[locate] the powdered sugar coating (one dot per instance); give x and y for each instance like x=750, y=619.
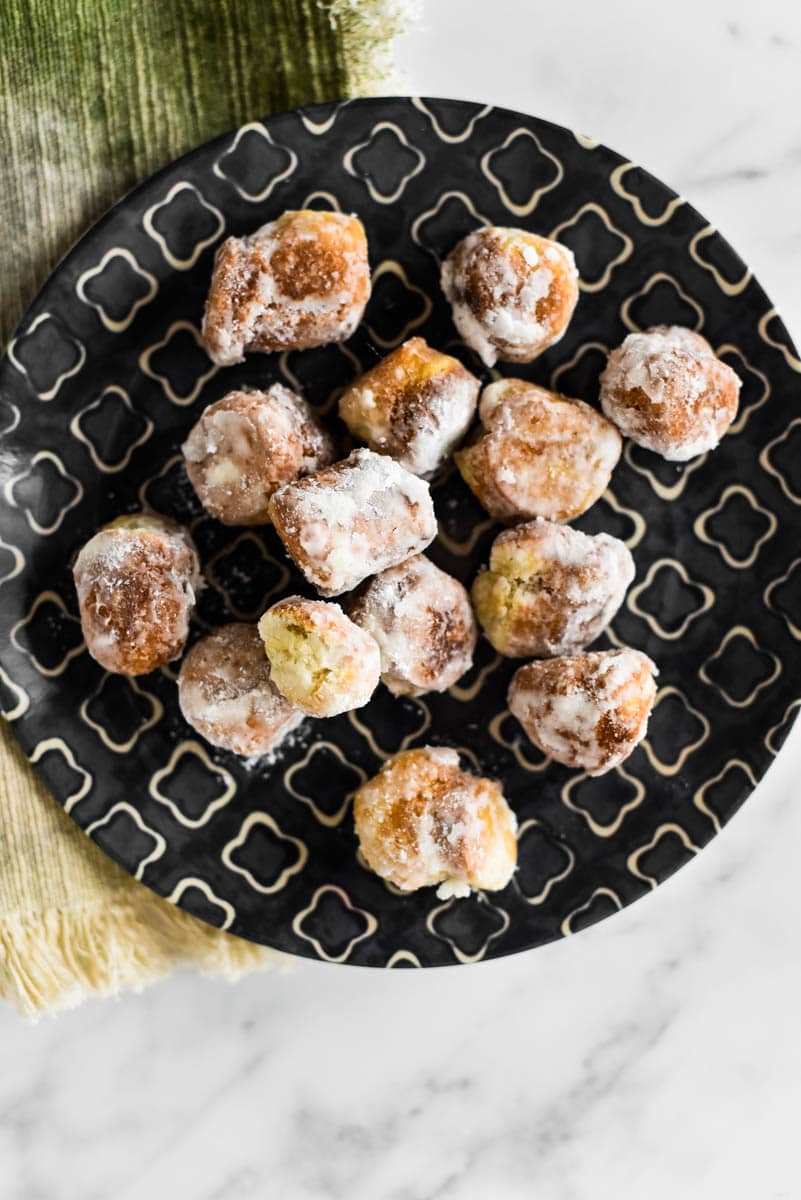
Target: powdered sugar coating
x=666, y=390
x=550, y=589
x=512, y=293
x=136, y=581
x=352, y=520
x=586, y=710
x=302, y=280
x=226, y=694
x=423, y=623
x=423, y=821
x=319, y=659
x=539, y=453
x=415, y=405
x=247, y=444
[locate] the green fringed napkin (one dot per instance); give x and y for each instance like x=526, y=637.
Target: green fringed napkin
x=94, y=96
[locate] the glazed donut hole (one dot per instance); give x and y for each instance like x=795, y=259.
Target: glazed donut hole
x=586, y=710
x=512, y=293
x=353, y=520
x=550, y=589
x=415, y=405
x=136, y=581
x=423, y=623
x=667, y=390
x=538, y=454
x=302, y=280
x=249, y=443
x=226, y=694
x=319, y=659
x=422, y=821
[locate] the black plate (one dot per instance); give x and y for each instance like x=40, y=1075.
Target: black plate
x=103, y=380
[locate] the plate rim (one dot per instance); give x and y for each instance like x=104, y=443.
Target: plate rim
x=331, y=107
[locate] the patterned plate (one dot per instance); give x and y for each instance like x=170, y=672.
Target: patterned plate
x=105, y=377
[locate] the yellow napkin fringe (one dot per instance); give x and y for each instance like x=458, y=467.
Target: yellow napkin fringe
x=52, y=960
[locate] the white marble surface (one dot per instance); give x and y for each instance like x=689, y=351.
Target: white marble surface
x=656, y=1055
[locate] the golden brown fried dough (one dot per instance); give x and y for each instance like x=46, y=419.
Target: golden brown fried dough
x=422, y=821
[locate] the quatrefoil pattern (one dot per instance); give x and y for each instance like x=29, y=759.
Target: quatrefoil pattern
x=46, y=354
x=116, y=289
x=111, y=429
x=107, y=374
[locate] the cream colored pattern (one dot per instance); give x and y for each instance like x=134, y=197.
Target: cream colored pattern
x=597, y=285
x=428, y=213
x=469, y=692
x=469, y=544
x=670, y=769
x=113, y=325
x=527, y=207
x=15, y=419
x=256, y=197
x=408, y=740
x=159, y=844
x=791, y=625
x=728, y=287
x=699, y=527
x=518, y=744
x=331, y=820
x=570, y=363
x=464, y=956
x=328, y=197
x=18, y=564
x=403, y=956
x=201, y=754
x=376, y=195
x=57, y=745
x=743, y=632
x=650, y=283
x=390, y=267
x=44, y=456
x=791, y=360
x=121, y=463
x=633, y=861
x=616, y=182
x=769, y=740
x=183, y=264
x=767, y=465
x=192, y=881
x=260, y=818
x=23, y=700
x=52, y=391
x=632, y=514
x=156, y=713
x=258, y=550
x=567, y=923
x=699, y=797
x=370, y=924
x=542, y=895
x=295, y=383
x=201, y=380
x=665, y=491
x=632, y=600
x=745, y=365
x=451, y=138
x=168, y=466
x=611, y=828
x=46, y=597
x=318, y=128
